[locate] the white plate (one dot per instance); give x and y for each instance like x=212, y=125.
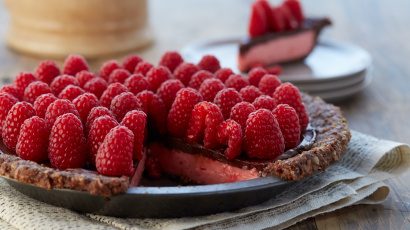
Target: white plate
x=333, y=85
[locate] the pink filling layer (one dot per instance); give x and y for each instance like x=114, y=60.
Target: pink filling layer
x=284, y=49
x=198, y=168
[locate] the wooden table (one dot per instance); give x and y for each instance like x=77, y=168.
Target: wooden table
x=380, y=26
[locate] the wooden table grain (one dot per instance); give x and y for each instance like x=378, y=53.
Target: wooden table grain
x=382, y=109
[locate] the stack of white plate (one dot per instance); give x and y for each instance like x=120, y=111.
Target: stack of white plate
x=333, y=71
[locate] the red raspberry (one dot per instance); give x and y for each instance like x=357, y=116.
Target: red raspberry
x=46, y=71
x=264, y=102
x=171, y=60
x=136, y=121
x=199, y=77
x=67, y=146
x=185, y=71
x=112, y=91
x=223, y=74
x=84, y=103
x=98, y=130
x=22, y=80
x=58, y=108
x=209, y=88
x=290, y=94
x=156, y=76
x=74, y=64
x=289, y=124
x=32, y=142
x=250, y=93
x=154, y=107
x=62, y=81
x=118, y=75
x=14, y=119
x=42, y=102
x=143, y=67
x=240, y=113
x=12, y=90
x=230, y=134
x=34, y=90
x=107, y=68
x=96, y=86
x=83, y=77
x=180, y=112
x=296, y=10
x=71, y=92
x=205, y=120
x=130, y=62
x=226, y=99
x=258, y=23
x=168, y=90
x=268, y=84
x=255, y=75
x=114, y=157
x=136, y=83
x=236, y=81
x=263, y=138
x=123, y=103
x=209, y=63
x=95, y=113
x=6, y=102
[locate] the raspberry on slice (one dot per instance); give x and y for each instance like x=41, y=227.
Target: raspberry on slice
x=240, y=113
x=114, y=157
x=74, y=64
x=67, y=145
x=223, y=74
x=199, y=77
x=71, y=92
x=136, y=83
x=6, y=102
x=96, y=86
x=209, y=88
x=180, y=113
x=84, y=103
x=250, y=93
x=62, y=81
x=230, y=135
x=289, y=124
x=263, y=138
x=255, y=75
x=83, y=77
x=136, y=121
x=258, y=23
x=264, y=102
x=22, y=80
x=277, y=20
x=154, y=107
x=58, y=108
x=185, y=71
x=95, y=113
x=289, y=94
x=107, y=68
x=118, y=75
x=46, y=71
x=112, y=91
x=268, y=84
x=32, y=142
x=98, y=130
x=168, y=90
x=204, y=123
x=42, y=102
x=290, y=21
x=142, y=68
x=156, y=76
x=123, y=103
x=209, y=63
x=12, y=90
x=34, y=90
x=226, y=99
x=296, y=10
x=130, y=62
x=14, y=119
x=171, y=60
x=236, y=81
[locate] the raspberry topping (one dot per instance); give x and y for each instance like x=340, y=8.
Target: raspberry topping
x=268, y=84
x=95, y=113
x=264, y=102
x=168, y=90
x=62, y=81
x=136, y=121
x=143, y=67
x=236, y=81
x=136, y=83
x=98, y=130
x=12, y=90
x=209, y=63
x=123, y=103
x=250, y=93
x=289, y=124
x=96, y=86
x=6, y=102
x=112, y=91
x=154, y=107
x=171, y=60
x=34, y=90
x=223, y=74
x=226, y=99
x=22, y=80
x=156, y=76
x=230, y=135
x=58, y=108
x=74, y=64
x=185, y=71
x=83, y=77
x=296, y=10
x=240, y=113
x=258, y=24
x=84, y=103
x=209, y=88
x=118, y=75
x=42, y=102
x=130, y=62
x=46, y=71
x=71, y=92
x=255, y=75
x=198, y=78
x=107, y=68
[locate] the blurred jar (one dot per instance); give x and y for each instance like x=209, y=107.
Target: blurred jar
x=93, y=28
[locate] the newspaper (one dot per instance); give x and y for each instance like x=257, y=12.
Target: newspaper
x=357, y=178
